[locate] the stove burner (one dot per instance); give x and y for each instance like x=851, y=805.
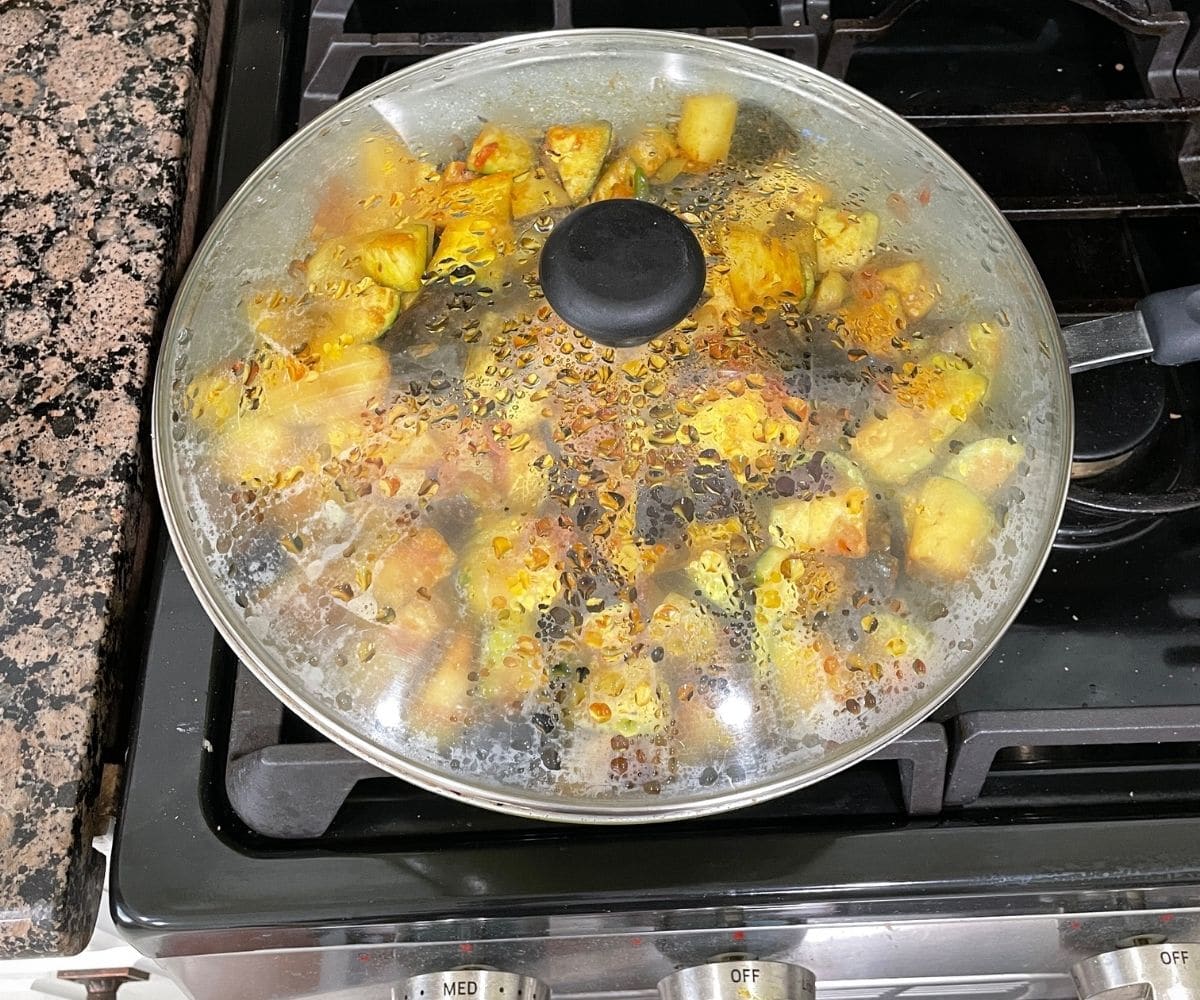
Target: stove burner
x=1118, y=410
x=1135, y=457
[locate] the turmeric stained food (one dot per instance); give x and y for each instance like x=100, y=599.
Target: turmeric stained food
x=645, y=554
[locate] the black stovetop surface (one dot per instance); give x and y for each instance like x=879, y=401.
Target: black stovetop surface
x=1092, y=698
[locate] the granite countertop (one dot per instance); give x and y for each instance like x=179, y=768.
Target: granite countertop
x=100, y=104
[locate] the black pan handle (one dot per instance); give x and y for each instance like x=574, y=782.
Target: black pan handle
x=1164, y=327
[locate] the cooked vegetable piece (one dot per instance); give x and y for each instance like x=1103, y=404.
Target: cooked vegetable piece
x=775, y=590
x=800, y=666
x=579, y=152
x=497, y=150
x=469, y=247
x=845, y=240
x=725, y=534
x=830, y=293
x=714, y=579
x=683, y=628
x=941, y=383
x=781, y=193
x=985, y=466
x=444, y=704
x=747, y=425
x=876, y=323
x=706, y=127
x=414, y=564
x=354, y=309
x=947, y=527
x=256, y=450
x=533, y=193
x=628, y=699
x=617, y=181
x=504, y=568
x=985, y=346
x=653, y=147
x=482, y=198
x=397, y=257
x=891, y=638
x=916, y=286
x=896, y=446
x=765, y=270
x=342, y=385
x=835, y=524
x=510, y=662
x=215, y=397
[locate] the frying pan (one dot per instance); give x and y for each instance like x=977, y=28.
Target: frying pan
x=640, y=726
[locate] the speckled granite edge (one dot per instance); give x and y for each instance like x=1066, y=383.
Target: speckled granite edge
x=99, y=103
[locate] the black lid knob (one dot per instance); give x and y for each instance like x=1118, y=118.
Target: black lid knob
x=622, y=271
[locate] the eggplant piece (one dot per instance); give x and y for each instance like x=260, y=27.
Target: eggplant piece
x=761, y=136
x=684, y=629
x=578, y=151
x=533, y=193
x=396, y=258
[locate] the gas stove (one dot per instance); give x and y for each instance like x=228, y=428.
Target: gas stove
x=1048, y=814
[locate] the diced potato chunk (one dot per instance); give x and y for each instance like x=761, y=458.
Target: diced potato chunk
x=835, y=524
x=706, y=127
x=534, y=193
x=683, y=628
x=714, y=578
x=898, y=445
x=845, y=240
x=831, y=292
x=986, y=346
x=608, y=632
x=915, y=285
x=764, y=270
x=985, y=466
x=397, y=257
x=724, y=534
x=416, y=562
x=947, y=527
x=775, y=590
x=579, y=152
x=780, y=194
x=800, y=666
x=497, y=149
x=653, y=147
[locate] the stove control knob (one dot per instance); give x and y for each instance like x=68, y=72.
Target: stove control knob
x=1147, y=972
x=739, y=979
x=475, y=982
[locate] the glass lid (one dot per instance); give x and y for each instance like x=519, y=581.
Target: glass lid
x=614, y=424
